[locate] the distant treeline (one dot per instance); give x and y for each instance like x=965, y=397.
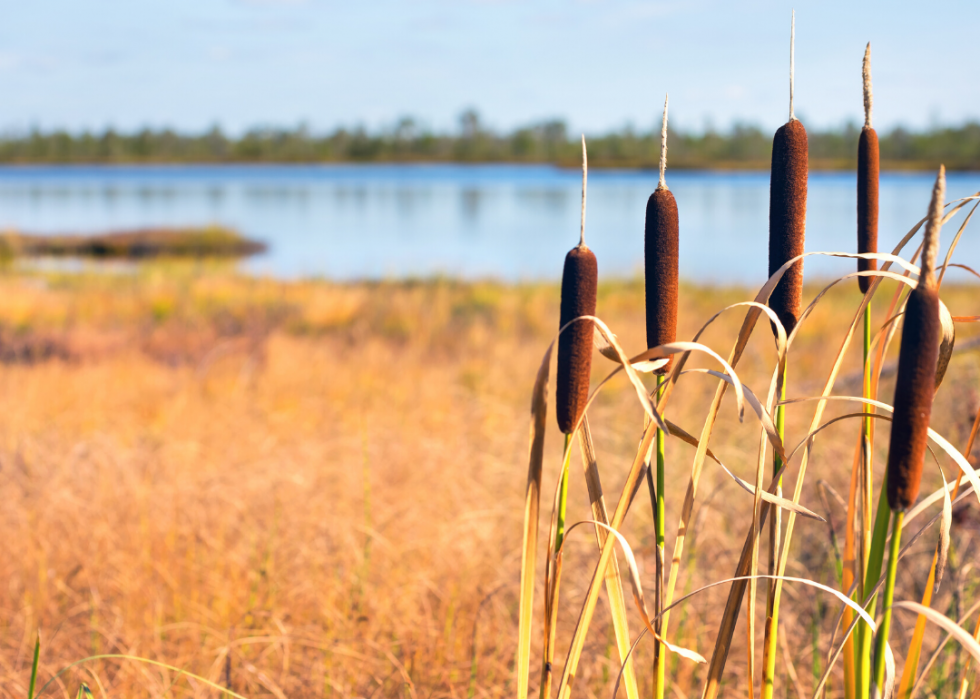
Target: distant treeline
x=741, y=146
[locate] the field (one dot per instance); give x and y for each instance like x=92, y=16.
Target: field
x=309, y=489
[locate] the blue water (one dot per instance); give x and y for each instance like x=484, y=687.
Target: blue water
x=500, y=221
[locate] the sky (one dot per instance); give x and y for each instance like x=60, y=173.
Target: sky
x=599, y=65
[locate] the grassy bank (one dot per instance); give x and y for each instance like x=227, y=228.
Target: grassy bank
x=313, y=489
x=209, y=241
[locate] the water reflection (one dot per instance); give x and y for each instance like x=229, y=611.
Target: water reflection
x=508, y=222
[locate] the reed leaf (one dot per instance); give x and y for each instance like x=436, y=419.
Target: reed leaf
x=965, y=638
x=936, y=653
x=145, y=661
x=614, y=583
x=532, y=500
x=945, y=525
x=938, y=439
x=684, y=436
x=638, y=588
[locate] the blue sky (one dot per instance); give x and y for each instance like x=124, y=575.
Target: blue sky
x=598, y=64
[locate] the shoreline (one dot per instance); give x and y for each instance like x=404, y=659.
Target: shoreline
x=816, y=165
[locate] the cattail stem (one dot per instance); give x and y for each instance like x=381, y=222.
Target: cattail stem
x=867, y=462
x=775, y=528
x=882, y=636
x=859, y=649
x=563, y=495
x=876, y=559
x=660, y=657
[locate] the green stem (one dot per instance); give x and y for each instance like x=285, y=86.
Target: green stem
x=882, y=636
x=876, y=558
x=772, y=622
x=862, y=634
x=37, y=657
x=563, y=495
x=661, y=656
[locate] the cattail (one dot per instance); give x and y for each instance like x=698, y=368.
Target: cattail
x=916, y=381
x=578, y=295
x=660, y=247
x=867, y=203
x=787, y=213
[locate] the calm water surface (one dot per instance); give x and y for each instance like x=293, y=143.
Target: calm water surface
x=507, y=222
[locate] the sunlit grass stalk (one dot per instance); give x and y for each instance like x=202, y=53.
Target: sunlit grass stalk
x=772, y=605
x=660, y=660
x=563, y=495
x=34, y=664
x=551, y=628
x=876, y=559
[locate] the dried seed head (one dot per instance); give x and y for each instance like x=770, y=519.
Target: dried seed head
x=916, y=380
x=663, y=148
x=867, y=202
x=787, y=219
x=866, y=76
x=933, y=225
x=660, y=247
x=578, y=297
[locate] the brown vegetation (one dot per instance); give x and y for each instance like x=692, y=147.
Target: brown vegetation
x=315, y=490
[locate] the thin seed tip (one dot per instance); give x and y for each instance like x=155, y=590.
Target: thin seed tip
x=585, y=181
x=663, y=148
x=866, y=77
x=933, y=226
x=792, y=53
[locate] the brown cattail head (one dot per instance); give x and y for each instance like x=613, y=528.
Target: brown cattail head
x=660, y=251
x=867, y=202
x=867, y=180
x=578, y=297
x=916, y=380
x=660, y=256
x=787, y=219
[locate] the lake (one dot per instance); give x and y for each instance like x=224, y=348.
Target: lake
x=507, y=222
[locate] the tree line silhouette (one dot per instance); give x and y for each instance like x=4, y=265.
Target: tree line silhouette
x=740, y=147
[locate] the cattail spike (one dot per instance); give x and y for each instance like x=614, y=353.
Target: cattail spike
x=933, y=225
x=866, y=74
x=792, y=62
x=787, y=219
x=585, y=179
x=663, y=148
x=578, y=298
x=918, y=357
x=867, y=203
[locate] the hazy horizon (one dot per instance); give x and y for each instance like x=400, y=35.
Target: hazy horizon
x=597, y=65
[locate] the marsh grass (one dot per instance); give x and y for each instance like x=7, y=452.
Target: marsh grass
x=242, y=487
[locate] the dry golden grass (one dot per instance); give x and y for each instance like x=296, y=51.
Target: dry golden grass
x=310, y=489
